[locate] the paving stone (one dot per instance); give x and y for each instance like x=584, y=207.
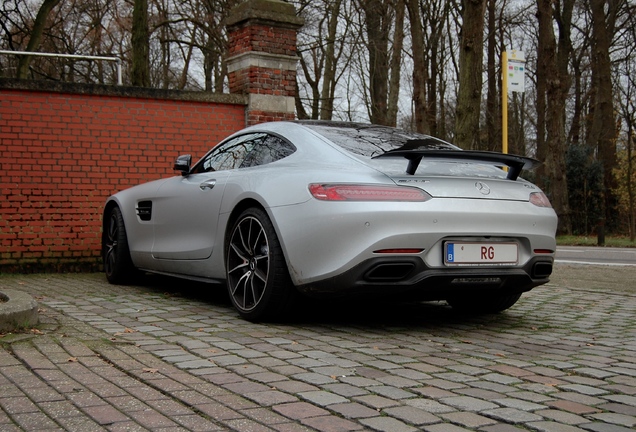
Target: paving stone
x=614, y=418
x=546, y=426
x=331, y=424
x=518, y=404
x=412, y=415
x=428, y=405
x=468, y=419
x=323, y=398
x=511, y=415
x=604, y=427
x=467, y=403
x=354, y=410
x=387, y=424
x=444, y=427
x=299, y=410
x=563, y=417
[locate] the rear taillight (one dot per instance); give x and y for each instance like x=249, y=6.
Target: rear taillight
x=540, y=199
x=357, y=192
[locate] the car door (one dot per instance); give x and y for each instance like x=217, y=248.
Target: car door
x=186, y=209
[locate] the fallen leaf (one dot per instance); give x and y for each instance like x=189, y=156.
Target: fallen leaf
x=72, y=359
x=150, y=370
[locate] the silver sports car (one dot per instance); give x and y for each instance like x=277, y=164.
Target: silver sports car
x=284, y=209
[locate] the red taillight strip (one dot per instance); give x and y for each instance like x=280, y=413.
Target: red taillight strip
x=358, y=192
x=543, y=251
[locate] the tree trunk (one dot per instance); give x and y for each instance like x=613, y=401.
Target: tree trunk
x=552, y=68
x=140, y=71
x=492, y=98
x=329, y=78
x=420, y=70
x=377, y=27
x=36, y=37
x=470, y=70
x=603, y=129
x=396, y=63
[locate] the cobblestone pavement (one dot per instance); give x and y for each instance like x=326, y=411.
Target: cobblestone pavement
x=169, y=355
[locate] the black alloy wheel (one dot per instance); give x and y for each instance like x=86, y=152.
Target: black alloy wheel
x=118, y=265
x=257, y=276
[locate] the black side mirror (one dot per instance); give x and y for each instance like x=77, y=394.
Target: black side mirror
x=183, y=164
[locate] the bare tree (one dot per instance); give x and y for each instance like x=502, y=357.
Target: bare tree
x=324, y=54
x=603, y=132
x=552, y=73
x=379, y=20
x=36, y=36
x=470, y=74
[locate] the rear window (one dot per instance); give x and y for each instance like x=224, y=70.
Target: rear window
x=372, y=140
x=367, y=141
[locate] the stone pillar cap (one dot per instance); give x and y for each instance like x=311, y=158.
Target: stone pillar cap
x=274, y=11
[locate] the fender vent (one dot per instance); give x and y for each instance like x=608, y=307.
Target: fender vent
x=144, y=210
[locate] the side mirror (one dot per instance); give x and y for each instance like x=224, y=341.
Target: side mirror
x=183, y=164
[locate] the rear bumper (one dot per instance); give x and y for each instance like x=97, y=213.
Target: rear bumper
x=411, y=276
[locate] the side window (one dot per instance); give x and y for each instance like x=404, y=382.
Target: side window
x=268, y=149
x=228, y=155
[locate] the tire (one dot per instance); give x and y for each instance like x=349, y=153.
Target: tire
x=483, y=305
x=258, y=280
x=118, y=265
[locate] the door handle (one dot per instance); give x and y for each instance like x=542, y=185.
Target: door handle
x=208, y=184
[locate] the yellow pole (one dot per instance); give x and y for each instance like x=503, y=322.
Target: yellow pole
x=504, y=102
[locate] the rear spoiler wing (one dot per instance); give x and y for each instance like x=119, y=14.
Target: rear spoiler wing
x=513, y=162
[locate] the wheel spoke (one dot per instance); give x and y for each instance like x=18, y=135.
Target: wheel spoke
x=261, y=275
x=242, y=255
x=248, y=263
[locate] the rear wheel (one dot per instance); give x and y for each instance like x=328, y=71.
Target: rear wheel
x=118, y=265
x=257, y=277
x=484, y=304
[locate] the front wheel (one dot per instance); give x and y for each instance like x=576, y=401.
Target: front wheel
x=483, y=305
x=118, y=265
x=257, y=277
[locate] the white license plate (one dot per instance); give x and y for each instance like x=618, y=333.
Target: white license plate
x=469, y=253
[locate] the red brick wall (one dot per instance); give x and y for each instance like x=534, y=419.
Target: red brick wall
x=63, y=154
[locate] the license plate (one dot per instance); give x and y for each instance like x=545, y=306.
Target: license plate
x=468, y=253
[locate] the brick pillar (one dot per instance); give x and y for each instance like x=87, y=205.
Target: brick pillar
x=262, y=58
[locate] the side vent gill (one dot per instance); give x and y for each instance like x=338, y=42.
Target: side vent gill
x=144, y=210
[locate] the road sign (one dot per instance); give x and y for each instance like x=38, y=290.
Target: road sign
x=516, y=71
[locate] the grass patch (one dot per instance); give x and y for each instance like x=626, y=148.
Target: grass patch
x=593, y=241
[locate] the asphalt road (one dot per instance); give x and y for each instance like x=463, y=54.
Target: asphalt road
x=596, y=256
x=610, y=270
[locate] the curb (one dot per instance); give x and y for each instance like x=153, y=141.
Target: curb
x=17, y=310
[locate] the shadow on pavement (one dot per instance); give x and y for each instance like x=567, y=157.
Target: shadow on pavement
x=358, y=311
